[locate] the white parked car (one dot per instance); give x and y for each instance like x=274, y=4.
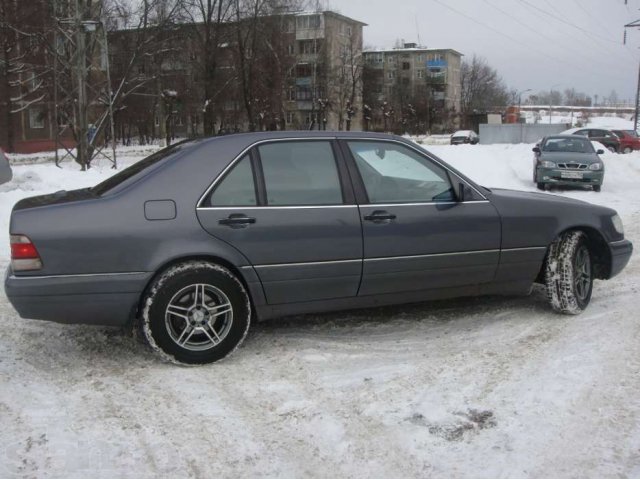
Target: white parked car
x=464, y=136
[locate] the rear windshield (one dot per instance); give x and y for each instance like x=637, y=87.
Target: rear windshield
x=119, y=178
x=574, y=145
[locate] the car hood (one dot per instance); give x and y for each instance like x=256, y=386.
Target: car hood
x=510, y=195
x=570, y=157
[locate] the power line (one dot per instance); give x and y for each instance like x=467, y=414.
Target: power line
x=515, y=40
x=595, y=41
x=562, y=20
x=540, y=34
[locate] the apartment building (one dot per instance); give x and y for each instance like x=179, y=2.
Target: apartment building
x=426, y=78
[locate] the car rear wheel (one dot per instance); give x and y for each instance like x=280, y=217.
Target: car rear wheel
x=596, y=188
x=196, y=312
x=627, y=150
x=540, y=186
x=569, y=273
x=612, y=149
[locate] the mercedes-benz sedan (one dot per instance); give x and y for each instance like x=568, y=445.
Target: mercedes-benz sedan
x=194, y=242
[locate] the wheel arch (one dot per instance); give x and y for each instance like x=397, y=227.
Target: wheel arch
x=218, y=260
x=597, y=246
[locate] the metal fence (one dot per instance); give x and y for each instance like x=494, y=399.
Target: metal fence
x=518, y=132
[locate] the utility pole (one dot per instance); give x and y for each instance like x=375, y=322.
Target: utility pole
x=636, y=116
x=83, y=99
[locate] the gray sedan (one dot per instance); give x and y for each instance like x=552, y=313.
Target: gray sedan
x=197, y=240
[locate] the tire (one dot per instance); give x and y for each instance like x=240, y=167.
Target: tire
x=611, y=148
x=195, y=313
x=596, y=188
x=627, y=150
x=540, y=186
x=569, y=273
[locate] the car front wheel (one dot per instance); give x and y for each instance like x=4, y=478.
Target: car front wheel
x=569, y=273
x=196, y=312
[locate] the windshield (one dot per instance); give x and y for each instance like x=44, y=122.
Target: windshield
x=574, y=145
x=120, y=177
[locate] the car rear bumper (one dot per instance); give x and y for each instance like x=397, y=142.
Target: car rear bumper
x=557, y=176
x=94, y=299
x=620, y=254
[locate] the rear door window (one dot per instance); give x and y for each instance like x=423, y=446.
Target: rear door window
x=300, y=173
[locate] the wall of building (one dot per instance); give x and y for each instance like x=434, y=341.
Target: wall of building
x=517, y=133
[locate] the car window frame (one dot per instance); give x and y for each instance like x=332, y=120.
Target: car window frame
x=340, y=170
x=362, y=196
x=346, y=183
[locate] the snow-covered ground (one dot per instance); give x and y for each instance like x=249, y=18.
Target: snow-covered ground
x=488, y=387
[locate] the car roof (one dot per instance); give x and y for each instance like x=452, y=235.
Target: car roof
x=564, y=135
x=252, y=137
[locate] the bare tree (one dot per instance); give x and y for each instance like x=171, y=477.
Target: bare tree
x=482, y=87
x=347, y=79
x=24, y=70
x=210, y=40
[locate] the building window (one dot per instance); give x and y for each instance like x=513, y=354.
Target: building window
x=391, y=75
x=291, y=117
x=308, y=21
x=291, y=94
x=304, y=93
x=291, y=49
x=421, y=73
x=406, y=65
x=36, y=118
x=304, y=70
x=391, y=60
x=309, y=47
x=156, y=121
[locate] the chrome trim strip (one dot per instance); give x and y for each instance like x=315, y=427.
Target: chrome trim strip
x=284, y=207
x=395, y=258
x=242, y=154
x=76, y=275
x=402, y=257
x=522, y=248
x=418, y=204
x=359, y=260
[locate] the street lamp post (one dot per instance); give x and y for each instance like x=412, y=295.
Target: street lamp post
x=520, y=103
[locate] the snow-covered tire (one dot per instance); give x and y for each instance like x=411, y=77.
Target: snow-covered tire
x=195, y=313
x=569, y=273
x=627, y=150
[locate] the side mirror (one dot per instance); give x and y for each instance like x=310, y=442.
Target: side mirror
x=536, y=149
x=461, y=187
x=600, y=151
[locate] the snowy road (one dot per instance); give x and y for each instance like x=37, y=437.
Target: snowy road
x=474, y=387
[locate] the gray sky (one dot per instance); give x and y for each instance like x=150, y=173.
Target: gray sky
x=581, y=47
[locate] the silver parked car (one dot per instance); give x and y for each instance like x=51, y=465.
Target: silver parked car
x=5, y=169
x=198, y=240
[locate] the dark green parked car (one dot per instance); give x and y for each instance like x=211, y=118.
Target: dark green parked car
x=567, y=160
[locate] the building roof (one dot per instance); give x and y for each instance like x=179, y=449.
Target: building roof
x=334, y=14
x=415, y=49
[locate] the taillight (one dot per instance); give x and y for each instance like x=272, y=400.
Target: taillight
x=24, y=255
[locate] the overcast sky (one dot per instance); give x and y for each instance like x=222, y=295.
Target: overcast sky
x=534, y=44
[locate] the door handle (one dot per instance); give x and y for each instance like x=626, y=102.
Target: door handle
x=237, y=220
x=380, y=216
